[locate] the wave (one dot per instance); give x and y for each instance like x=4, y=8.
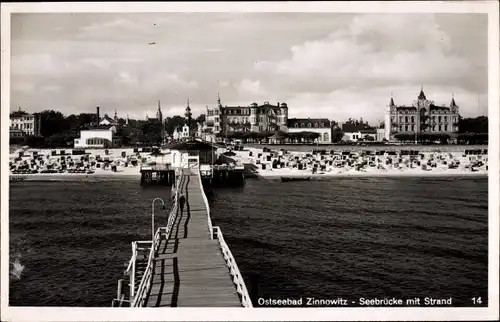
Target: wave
x=16, y=268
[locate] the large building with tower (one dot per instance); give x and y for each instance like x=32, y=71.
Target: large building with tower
x=423, y=116
x=251, y=118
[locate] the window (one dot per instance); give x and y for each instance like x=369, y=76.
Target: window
x=433, y=119
x=401, y=119
x=413, y=119
x=413, y=128
x=406, y=119
x=440, y=128
x=216, y=128
x=315, y=124
x=439, y=120
x=446, y=128
x=406, y=128
x=326, y=137
x=308, y=124
x=296, y=125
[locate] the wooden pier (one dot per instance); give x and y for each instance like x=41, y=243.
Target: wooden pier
x=189, y=264
x=225, y=176
x=162, y=174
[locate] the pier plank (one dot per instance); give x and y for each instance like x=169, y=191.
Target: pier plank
x=189, y=268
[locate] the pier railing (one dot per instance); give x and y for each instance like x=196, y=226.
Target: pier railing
x=205, y=200
x=228, y=256
x=146, y=281
x=233, y=269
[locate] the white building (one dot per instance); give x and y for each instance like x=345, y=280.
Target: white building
x=380, y=135
x=23, y=123
x=182, y=134
x=358, y=132
x=320, y=126
x=99, y=137
x=192, y=153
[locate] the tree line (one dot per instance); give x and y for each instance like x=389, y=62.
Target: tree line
x=56, y=129
x=60, y=130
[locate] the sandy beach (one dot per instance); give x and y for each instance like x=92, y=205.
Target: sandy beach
x=95, y=164
x=428, y=163
x=101, y=164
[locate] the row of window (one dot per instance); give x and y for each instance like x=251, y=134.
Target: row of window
x=95, y=141
x=434, y=128
x=261, y=119
x=411, y=119
x=413, y=111
x=23, y=126
x=296, y=125
x=236, y=112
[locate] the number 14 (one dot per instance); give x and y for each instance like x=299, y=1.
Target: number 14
x=476, y=300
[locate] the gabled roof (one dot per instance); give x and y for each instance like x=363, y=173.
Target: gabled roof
x=107, y=118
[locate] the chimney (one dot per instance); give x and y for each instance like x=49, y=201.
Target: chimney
x=278, y=104
x=98, y=116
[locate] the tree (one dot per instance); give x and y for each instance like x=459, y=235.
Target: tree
x=152, y=132
x=171, y=123
x=473, y=125
x=201, y=118
x=53, y=122
x=121, y=122
x=85, y=119
x=73, y=122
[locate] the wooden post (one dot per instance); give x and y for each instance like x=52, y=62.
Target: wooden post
x=119, y=290
x=132, y=276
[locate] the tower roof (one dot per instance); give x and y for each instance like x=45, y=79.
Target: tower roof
x=391, y=103
x=421, y=96
x=452, y=104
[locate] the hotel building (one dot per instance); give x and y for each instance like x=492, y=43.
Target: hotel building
x=23, y=123
x=252, y=118
x=423, y=116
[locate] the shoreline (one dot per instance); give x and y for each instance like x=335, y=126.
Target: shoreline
x=372, y=175
x=73, y=177
x=260, y=176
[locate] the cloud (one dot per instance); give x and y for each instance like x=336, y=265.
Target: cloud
x=377, y=50
x=322, y=64
x=248, y=87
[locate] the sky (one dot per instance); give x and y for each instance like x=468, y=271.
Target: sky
x=331, y=65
